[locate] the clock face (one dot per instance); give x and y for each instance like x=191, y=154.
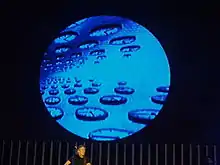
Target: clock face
x=91, y=114
x=60, y=50
x=52, y=100
x=55, y=112
x=113, y=100
x=70, y=91
x=143, y=116
x=107, y=75
x=123, y=40
x=164, y=89
x=106, y=30
x=66, y=37
x=76, y=24
x=124, y=90
x=159, y=99
x=132, y=48
x=91, y=90
x=109, y=134
x=77, y=100
x=53, y=91
x=88, y=44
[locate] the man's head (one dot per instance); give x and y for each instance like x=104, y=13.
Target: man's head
x=81, y=150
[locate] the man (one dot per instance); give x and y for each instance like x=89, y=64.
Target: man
x=79, y=158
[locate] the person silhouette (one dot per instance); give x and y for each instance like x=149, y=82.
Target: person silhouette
x=78, y=157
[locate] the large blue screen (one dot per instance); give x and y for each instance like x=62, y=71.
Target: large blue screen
x=104, y=78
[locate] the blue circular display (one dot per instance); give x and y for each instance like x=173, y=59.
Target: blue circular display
x=106, y=77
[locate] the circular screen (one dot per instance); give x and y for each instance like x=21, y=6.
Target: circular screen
x=104, y=78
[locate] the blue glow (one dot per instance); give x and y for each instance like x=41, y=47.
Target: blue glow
x=65, y=38
x=104, y=78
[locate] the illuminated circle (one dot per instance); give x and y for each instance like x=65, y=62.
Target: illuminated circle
x=78, y=85
x=109, y=63
x=44, y=87
x=91, y=90
x=49, y=64
x=70, y=91
x=123, y=40
x=107, y=134
x=78, y=100
x=127, y=55
x=55, y=112
x=53, y=91
x=52, y=100
x=88, y=44
x=122, y=83
x=124, y=90
x=97, y=52
x=159, y=99
x=54, y=86
x=164, y=89
x=46, y=60
x=69, y=62
x=66, y=37
x=61, y=49
x=59, y=62
x=60, y=57
x=91, y=114
x=76, y=55
x=96, y=62
x=105, y=30
x=113, y=100
x=132, y=48
x=143, y=116
x=96, y=84
x=101, y=57
x=65, y=86
x=77, y=23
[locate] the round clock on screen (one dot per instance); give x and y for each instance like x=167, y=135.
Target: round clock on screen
x=109, y=75
x=56, y=113
x=109, y=134
x=143, y=116
x=91, y=114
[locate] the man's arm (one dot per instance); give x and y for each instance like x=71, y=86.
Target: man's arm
x=88, y=162
x=68, y=162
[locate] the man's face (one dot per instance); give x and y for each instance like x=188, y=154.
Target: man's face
x=81, y=151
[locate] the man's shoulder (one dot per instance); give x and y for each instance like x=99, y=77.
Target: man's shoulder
x=87, y=159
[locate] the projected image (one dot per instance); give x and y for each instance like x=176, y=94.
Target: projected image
x=104, y=78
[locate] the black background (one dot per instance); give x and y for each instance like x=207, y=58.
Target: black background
x=187, y=31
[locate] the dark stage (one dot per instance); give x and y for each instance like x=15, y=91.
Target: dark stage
x=187, y=33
